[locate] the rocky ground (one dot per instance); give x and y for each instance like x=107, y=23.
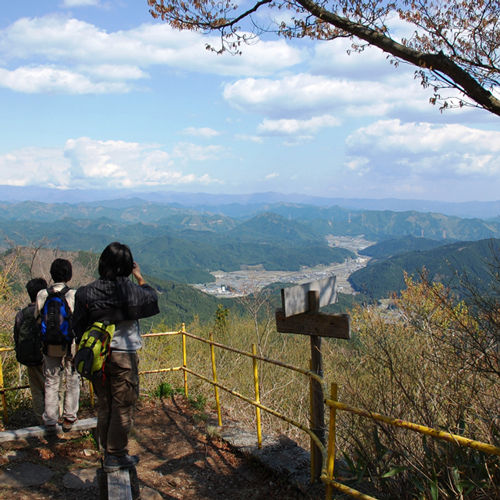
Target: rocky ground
x=179, y=460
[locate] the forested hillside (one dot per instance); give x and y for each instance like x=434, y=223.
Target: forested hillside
x=179, y=302
x=389, y=248
x=188, y=255
x=445, y=264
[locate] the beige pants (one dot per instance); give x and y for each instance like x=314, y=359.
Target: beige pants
x=52, y=368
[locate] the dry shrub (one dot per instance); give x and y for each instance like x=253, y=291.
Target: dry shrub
x=415, y=366
x=280, y=389
x=18, y=266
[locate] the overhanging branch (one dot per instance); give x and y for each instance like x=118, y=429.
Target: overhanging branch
x=439, y=62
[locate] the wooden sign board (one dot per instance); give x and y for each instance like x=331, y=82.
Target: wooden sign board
x=295, y=299
x=336, y=326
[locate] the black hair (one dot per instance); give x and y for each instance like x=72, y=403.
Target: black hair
x=34, y=286
x=116, y=260
x=61, y=270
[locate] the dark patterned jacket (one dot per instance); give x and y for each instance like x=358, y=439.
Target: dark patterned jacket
x=114, y=301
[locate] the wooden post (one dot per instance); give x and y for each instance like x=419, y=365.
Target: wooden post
x=318, y=423
x=119, y=485
x=300, y=315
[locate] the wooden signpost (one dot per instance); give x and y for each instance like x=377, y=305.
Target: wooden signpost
x=300, y=314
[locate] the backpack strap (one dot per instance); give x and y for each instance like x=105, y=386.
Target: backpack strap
x=27, y=314
x=63, y=291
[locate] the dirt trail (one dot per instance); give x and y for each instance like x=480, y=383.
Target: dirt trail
x=178, y=461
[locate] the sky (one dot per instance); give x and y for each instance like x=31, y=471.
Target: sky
x=96, y=94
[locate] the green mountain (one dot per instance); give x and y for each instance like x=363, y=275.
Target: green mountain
x=119, y=212
x=181, y=303
x=170, y=253
x=269, y=227
x=445, y=264
x=376, y=225
x=180, y=244
x=389, y=248
x=315, y=221
x=199, y=222
x=188, y=255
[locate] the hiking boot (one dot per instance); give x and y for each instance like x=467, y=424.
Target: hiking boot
x=68, y=424
x=112, y=463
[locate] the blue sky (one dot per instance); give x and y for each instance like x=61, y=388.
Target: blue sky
x=97, y=94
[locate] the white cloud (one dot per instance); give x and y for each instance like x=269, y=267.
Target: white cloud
x=297, y=140
x=189, y=151
x=305, y=95
x=114, y=72
x=126, y=164
x=35, y=166
x=45, y=79
x=335, y=58
x=87, y=163
x=72, y=47
x=201, y=132
x=293, y=127
x=251, y=138
x=80, y=3
x=272, y=176
x=394, y=149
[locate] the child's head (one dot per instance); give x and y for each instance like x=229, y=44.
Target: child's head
x=61, y=271
x=34, y=286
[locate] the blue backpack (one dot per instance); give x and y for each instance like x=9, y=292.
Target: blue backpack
x=57, y=319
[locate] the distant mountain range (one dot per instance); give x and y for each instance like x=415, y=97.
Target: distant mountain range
x=311, y=222
x=187, y=250
x=182, y=244
x=238, y=205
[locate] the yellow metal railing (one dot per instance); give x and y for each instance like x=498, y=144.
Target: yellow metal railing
x=3, y=389
x=329, y=399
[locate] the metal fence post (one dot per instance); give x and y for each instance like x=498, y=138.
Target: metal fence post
x=311, y=420
x=257, y=395
x=91, y=391
x=4, y=401
x=184, y=359
x=214, y=373
x=330, y=463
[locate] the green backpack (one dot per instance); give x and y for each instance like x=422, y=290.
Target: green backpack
x=93, y=350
